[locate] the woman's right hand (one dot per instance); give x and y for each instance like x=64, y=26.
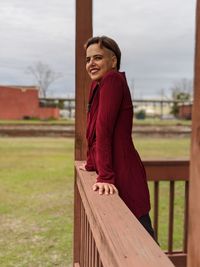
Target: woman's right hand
x=82, y=167
x=105, y=188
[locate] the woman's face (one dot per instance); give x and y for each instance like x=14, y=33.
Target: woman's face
x=99, y=61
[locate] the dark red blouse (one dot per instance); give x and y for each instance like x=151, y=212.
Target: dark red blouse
x=111, y=152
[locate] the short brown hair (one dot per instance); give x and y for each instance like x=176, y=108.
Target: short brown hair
x=108, y=43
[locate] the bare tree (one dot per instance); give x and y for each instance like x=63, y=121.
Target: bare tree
x=44, y=76
x=182, y=89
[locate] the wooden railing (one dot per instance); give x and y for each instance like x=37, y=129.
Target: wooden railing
x=172, y=172
x=106, y=233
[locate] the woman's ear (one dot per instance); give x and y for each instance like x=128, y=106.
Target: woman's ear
x=114, y=62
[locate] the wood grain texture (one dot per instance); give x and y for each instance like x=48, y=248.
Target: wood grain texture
x=174, y=170
x=83, y=32
x=194, y=189
x=120, y=239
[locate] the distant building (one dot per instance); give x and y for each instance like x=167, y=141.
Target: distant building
x=185, y=111
x=22, y=102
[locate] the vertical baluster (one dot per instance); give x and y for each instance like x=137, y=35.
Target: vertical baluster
x=92, y=251
x=156, y=201
x=171, y=217
x=77, y=223
x=89, y=246
x=82, y=236
x=186, y=217
x=99, y=261
x=95, y=257
x=85, y=241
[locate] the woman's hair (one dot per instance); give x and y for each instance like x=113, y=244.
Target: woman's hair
x=108, y=43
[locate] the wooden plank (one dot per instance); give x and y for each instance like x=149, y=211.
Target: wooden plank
x=178, y=259
x=77, y=224
x=171, y=217
x=121, y=240
x=156, y=208
x=158, y=170
x=82, y=235
x=185, y=229
x=194, y=189
x=76, y=264
x=83, y=32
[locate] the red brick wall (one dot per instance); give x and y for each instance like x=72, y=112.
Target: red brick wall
x=185, y=112
x=18, y=103
x=45, y=113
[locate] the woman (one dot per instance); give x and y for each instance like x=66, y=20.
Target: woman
x=111, y=152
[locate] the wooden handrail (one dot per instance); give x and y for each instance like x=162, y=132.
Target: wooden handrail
x=119, y=239
x=167, y=170
x=171, y=171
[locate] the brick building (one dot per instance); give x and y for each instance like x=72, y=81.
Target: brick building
x=185, y=111
x=22, y=102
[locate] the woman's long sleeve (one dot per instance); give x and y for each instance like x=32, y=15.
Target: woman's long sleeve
x=111, y=95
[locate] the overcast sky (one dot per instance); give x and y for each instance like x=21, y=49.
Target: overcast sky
x=156, y=38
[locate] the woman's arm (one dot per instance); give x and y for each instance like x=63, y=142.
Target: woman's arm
x=111, y=95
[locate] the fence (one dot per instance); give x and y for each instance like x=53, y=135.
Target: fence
x=154, y=108
x=171, y=172
x=106, y=232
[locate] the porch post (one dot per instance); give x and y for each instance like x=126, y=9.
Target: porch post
x=194, y=192
x=83, y=32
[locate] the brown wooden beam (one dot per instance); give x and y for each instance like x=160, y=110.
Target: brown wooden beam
x=83, y=32
x=194, y=192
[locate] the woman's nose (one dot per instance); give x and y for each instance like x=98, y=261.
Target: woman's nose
x=91, y=62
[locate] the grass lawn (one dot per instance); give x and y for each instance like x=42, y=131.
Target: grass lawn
x=147, y=121
x=37, y=121
x=36, y=197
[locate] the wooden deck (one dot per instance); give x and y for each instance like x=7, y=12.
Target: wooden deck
x=106, y=232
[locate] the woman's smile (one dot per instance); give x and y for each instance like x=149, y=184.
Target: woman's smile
x=99, y=61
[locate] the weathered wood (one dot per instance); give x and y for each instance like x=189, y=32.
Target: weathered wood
x=83, y=32
x=158, y=170
x=194, y=192
x=120, y=239
x=76, y=264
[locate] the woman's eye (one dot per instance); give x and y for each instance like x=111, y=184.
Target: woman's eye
x=98, y=58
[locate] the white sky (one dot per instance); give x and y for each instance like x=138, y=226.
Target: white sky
x=156, y=38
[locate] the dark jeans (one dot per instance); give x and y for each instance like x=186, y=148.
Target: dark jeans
x=146, y=222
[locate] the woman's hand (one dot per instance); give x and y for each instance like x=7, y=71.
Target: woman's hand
x=82, y=167
x=105, y=188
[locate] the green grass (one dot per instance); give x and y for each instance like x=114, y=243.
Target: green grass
x=162, y=148
x=167, y=148
x=37, y=121
x=36, y=198
x=147, y=121
x=159, y=122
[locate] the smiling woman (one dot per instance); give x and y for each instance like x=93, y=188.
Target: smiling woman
x=111, y=152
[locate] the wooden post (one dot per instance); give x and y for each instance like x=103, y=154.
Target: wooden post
x=83, y=32
x=194, y=191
